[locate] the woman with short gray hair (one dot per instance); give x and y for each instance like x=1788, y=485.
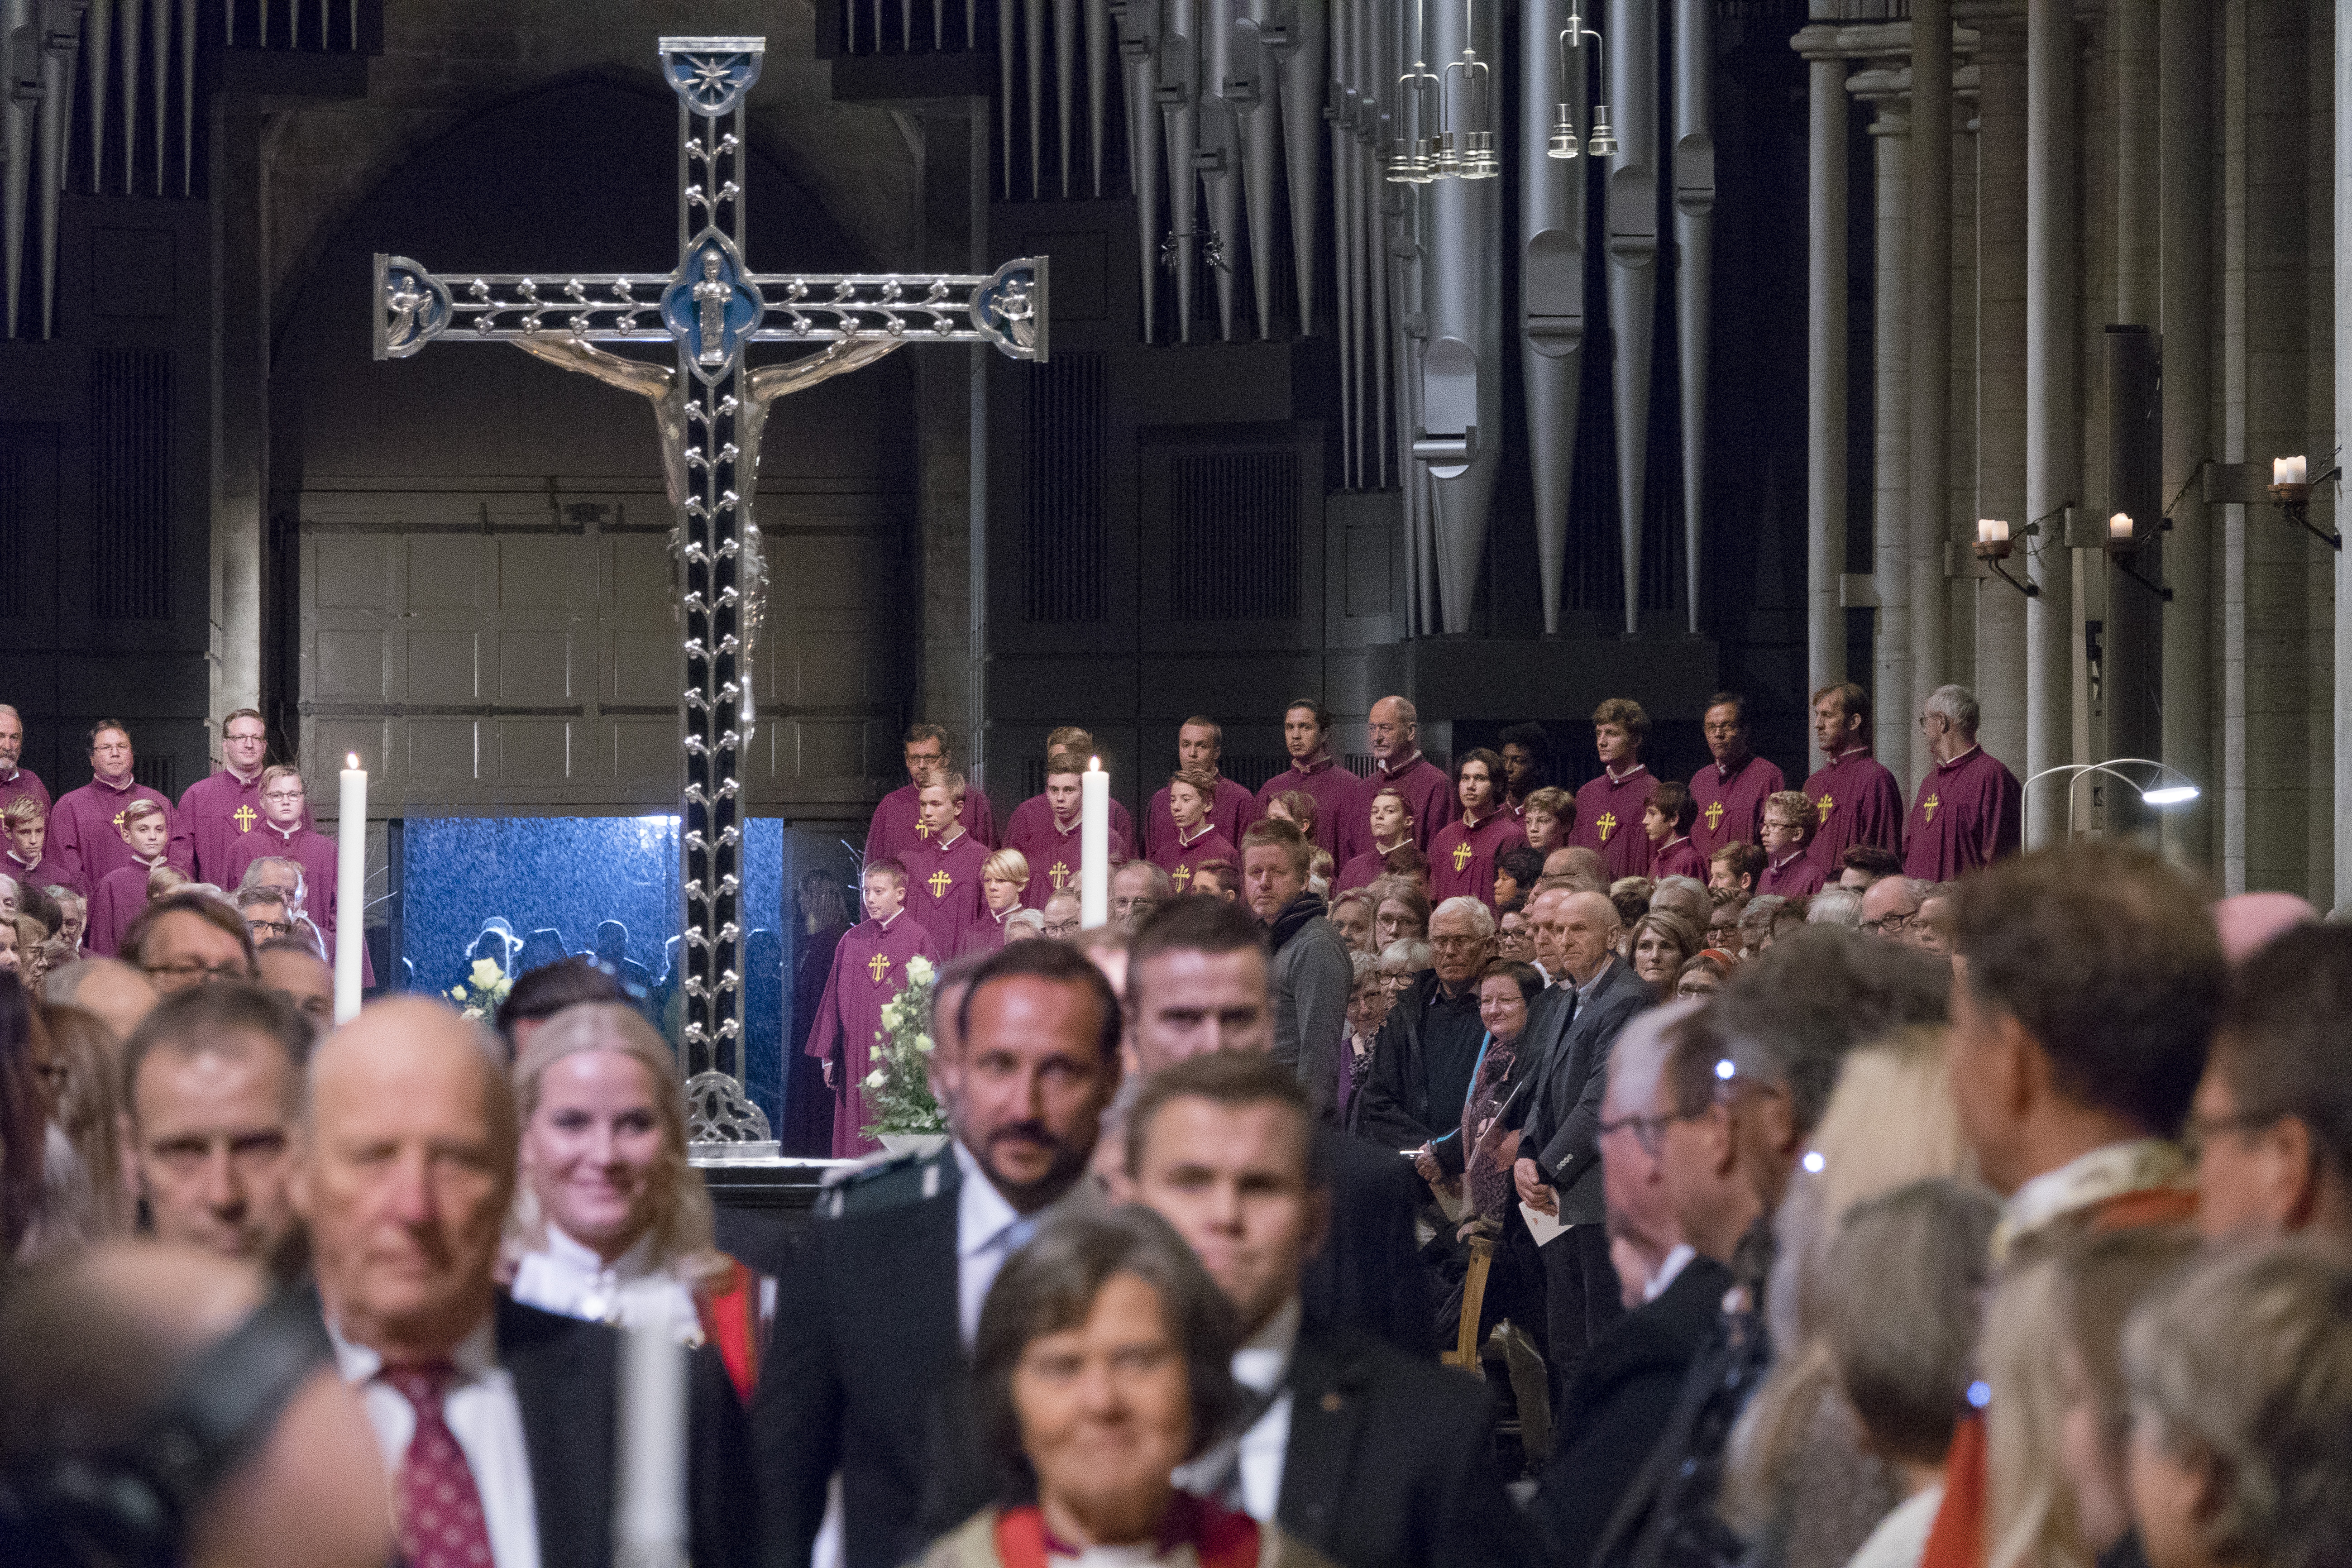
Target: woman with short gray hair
x=2240, y=1384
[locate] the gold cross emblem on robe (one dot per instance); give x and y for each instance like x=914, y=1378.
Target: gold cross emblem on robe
x=1183, y=875
x=939, y=882
x=1713, y=815
x=1824, y=805
x=243, y=818
x=1927, y=809
x=922, y=829
x=118, y=819
x=878, y=966
x=1462, y=853
x=1607, y=824
x=1061, y=874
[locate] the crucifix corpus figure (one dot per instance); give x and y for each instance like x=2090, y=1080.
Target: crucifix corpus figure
x=710, y=406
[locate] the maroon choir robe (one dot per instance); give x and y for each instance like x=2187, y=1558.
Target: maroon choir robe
x=986, y=934
x=23, y=781
x=1428, y=794
x=1335, y=791
x=1230, y=814
x=1368, y=867
x=869, y=968
x=121, y=899
x=898, y=824
x=1969, y=814
x=86, y=832
x=1855, y=801
x=12, y=867
x=1609, y=819
x=315, y=852
x=213, y=815
x=1053, y=855
x=1180, y=856
x=1032, y=822
x=1677, y=858
x=1461, y=857
x=1731, y=808
x=1794, y=878
x=943, y=889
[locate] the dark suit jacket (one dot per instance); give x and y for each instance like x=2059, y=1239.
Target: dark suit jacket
x=865, y=1374
x=1389, y=1464
x=1623, y=1395
x=1369, y=1276
x=1562, y=1107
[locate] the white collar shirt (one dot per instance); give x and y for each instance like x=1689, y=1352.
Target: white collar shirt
x=1262, y=1365
x=570, y=1277
x=485, y=1417
x=988, y=1231
x=1677, y=1258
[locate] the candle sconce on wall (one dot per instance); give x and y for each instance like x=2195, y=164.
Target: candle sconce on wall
x=2291, y=485
x=2123, y=542
x=1992, y=547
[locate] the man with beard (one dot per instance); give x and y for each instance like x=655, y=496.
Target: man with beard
x=868, y=1368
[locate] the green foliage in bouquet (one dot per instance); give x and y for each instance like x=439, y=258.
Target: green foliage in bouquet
x=899, y=1089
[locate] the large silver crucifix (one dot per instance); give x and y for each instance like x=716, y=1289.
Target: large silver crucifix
x=711, y=407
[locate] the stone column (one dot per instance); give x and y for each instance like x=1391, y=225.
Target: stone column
x=2185, y=46
x=2343, y=260
x=1884, y=86
x=240, y=410
x=2001, y=370
x=2134, y=617
x=2053, y=399
x=1930, y=221
x=1825, y=381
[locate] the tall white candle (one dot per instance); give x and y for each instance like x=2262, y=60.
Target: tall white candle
x=350, y=888
x=649, y=1513
x=1094, y=846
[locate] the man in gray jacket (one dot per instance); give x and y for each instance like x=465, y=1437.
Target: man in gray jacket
x=1312, y=974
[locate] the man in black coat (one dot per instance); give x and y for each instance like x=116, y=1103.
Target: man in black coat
x=1374, y=1458
x=868, y=1369
x=1427, y=1050
x=1595, y=995
x=405, y=1174
x=1196, y=983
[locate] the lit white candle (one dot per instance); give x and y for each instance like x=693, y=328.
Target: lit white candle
x=350, y=888
x=1094, y=846
x=2289, y=470
x=649, y=1513
x=2119, y=527
x=1991, y=531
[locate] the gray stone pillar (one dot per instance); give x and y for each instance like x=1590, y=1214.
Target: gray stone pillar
x=1882, y=85
x=2053, y=399
x=2185, y=47
x=2001, y=371
x=1825, y=381
x=1930, y=221
x=2343, y=260
x=241, y=409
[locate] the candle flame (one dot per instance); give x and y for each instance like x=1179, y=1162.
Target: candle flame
x=1094, y=764
x=352, y=760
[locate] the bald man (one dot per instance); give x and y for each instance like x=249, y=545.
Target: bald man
x=1395, y=732
x=405, y=1173
x=119, y=994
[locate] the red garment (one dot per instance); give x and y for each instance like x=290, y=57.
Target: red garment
x=985, y=935
x=212, y=816
x=1230, y=814
x=1461, y=858
x=869, y=968
x=1033, y=817
x=317, y=853
x=730, y=1315
x=1794, y=878
x=943, y=890
x=22, y=873
x=1363, y=871
x=1677, y=858
x=1335, y=792
x=898, y=824
x=86, y=832
x=1969, y=813
x=119, y=902
x=1609, y=819
x=1730, y=809
x=1856, y=801
x=1219, y=1537
x=1428, y=793
x=1053, y=853
x=1178, y=857
x=434, y=1500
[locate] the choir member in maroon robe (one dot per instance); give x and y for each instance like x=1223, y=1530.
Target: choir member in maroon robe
x=1730, y=790
x=285, y=835
x=1609, y=809
x=897, y=825
x=1462, y=856
x=808, y=1101
x=869, y=968
x=85, y=824
x=1200, y=747
x=25, y=821
x=1002, y=879
x=1674, y=845
x=1195, y=839
x=1526, y=769
x=1388, y=820
x=1024, y=829
x=943, y=870
x=1856, y=799
x=1546, y=816
x=218, y=811
x=1732, y=870
x=122, y=893
x=1049, y=840
x=1789, y=871
x=1970, y=808
x=16, y=783
x=1395, y=731
x=1299, y=809
x=1307, y=735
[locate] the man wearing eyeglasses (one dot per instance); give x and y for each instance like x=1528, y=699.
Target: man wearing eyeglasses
x=218, y=812
x=1891, y=906
x=266, y=917
x=189, y=939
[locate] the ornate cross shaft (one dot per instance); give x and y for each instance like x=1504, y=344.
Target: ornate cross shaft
x=711, y=408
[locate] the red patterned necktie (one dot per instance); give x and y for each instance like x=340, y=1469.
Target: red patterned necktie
x=439, y=1507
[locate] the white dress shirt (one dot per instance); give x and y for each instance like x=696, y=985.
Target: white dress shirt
x=988, y=1231
x=1262, y=1365
x=1677, y=1258
x=568, y=1278
x=483, y=1415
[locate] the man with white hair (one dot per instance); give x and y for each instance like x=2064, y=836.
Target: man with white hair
x=1427, y=1051
x=1394, y=731
x=16, y=781
x=1890, y=908
x=1969, y=810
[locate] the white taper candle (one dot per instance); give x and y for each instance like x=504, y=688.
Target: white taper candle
x=649, y=1511
x=1094, y=846
x=351, y=888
